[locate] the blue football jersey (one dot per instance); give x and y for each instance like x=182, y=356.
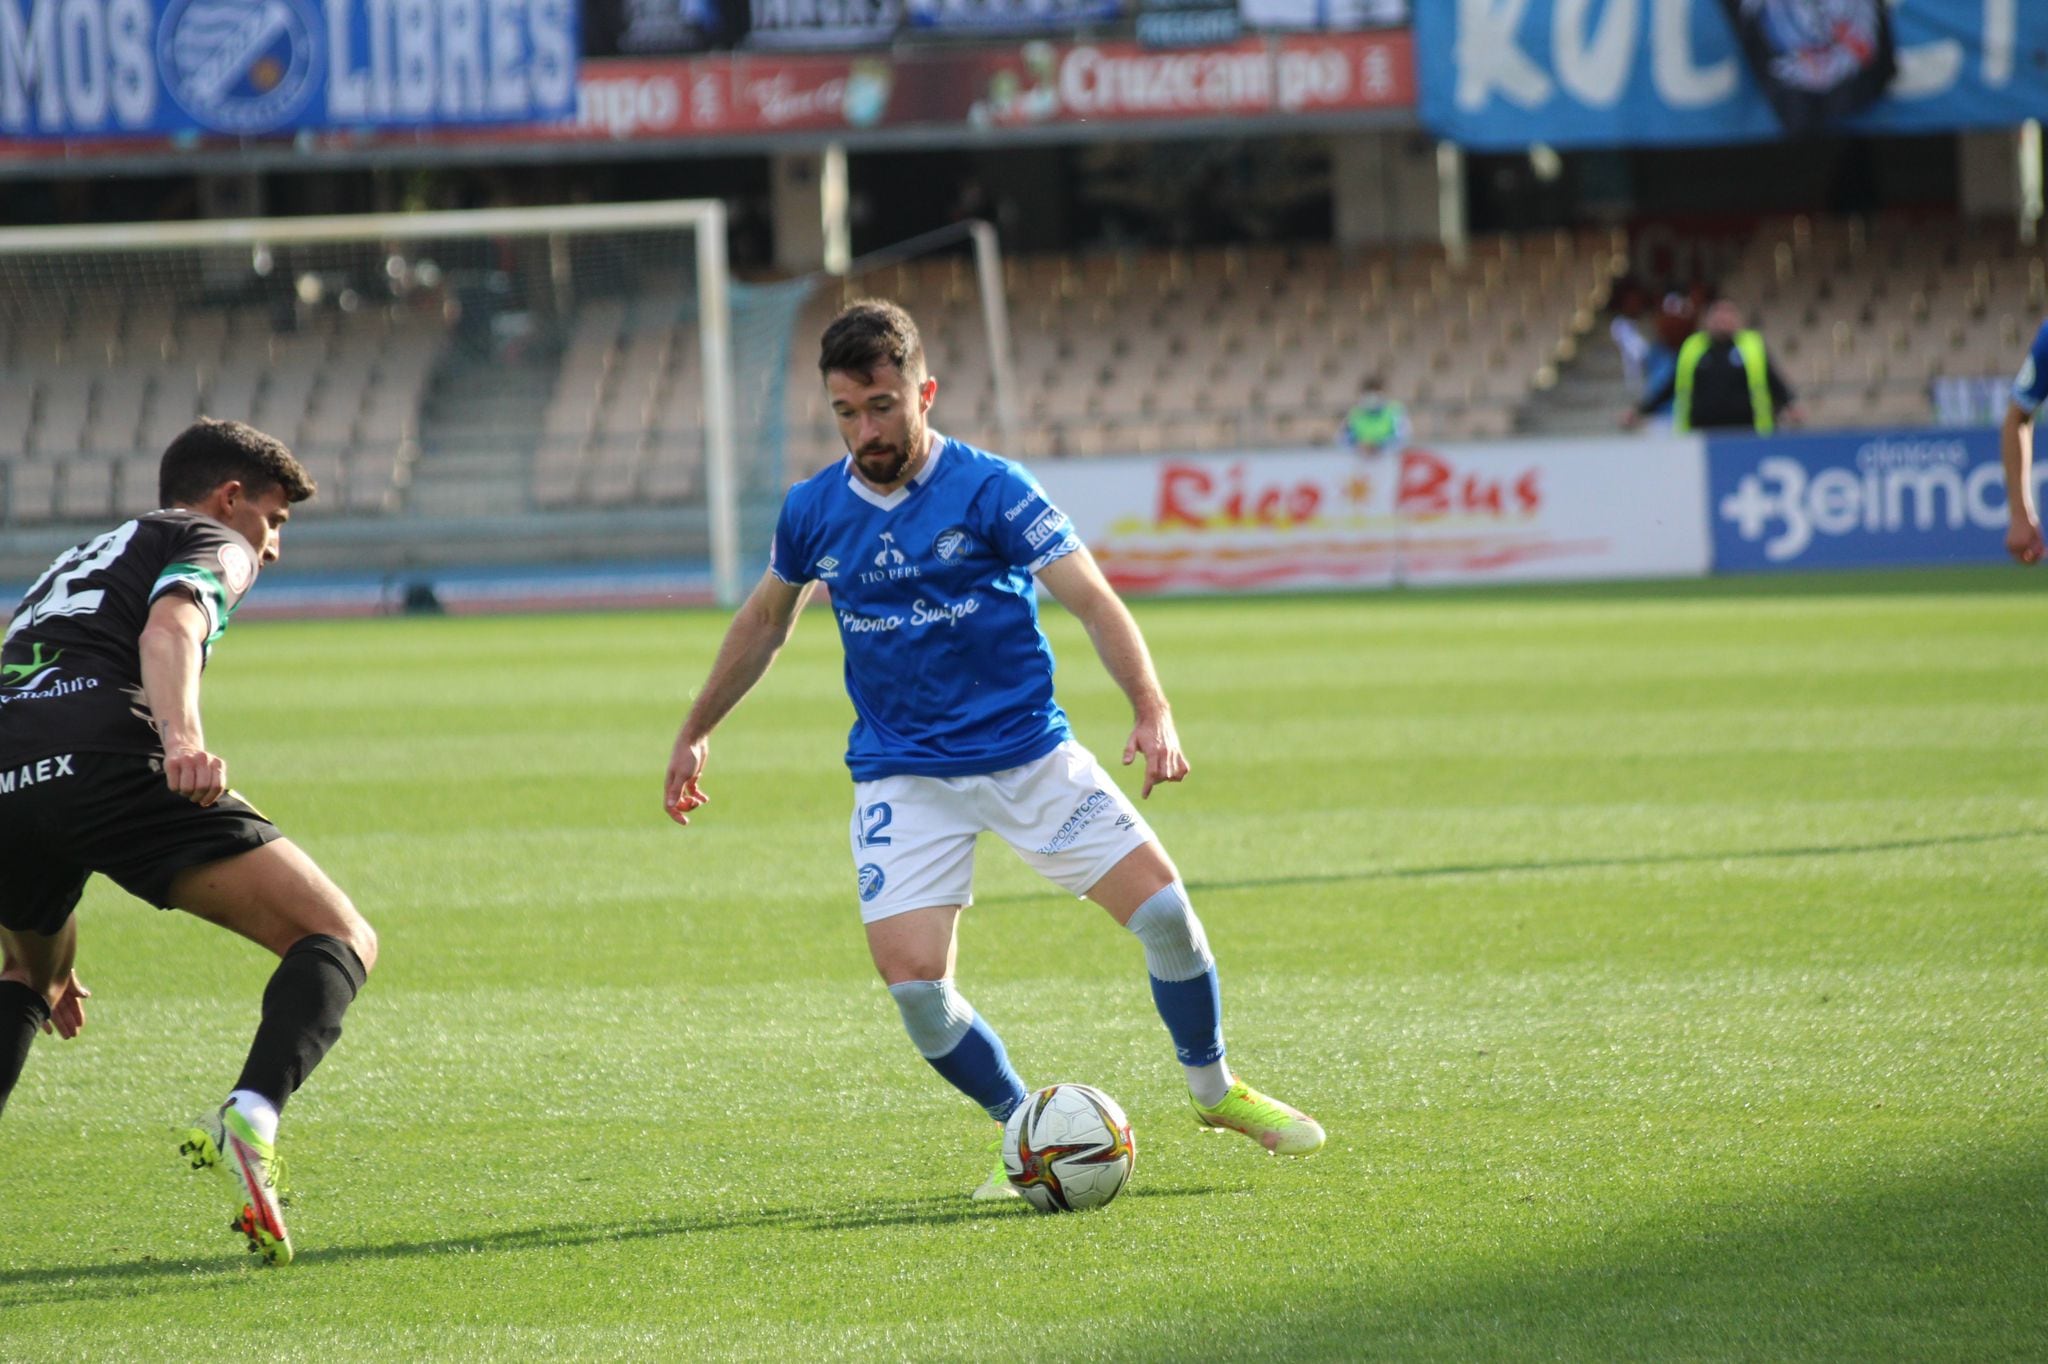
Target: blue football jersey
x=949, y=672
x=2030, y=389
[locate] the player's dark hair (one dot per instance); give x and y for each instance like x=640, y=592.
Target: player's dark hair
x=868, y=334
x=210, y=452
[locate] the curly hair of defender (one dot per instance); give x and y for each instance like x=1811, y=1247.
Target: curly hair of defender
x=211, y=452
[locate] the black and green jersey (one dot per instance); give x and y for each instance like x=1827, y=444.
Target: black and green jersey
x=71, y=664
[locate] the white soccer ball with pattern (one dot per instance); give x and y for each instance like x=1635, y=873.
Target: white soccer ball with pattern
x=1068, y=1148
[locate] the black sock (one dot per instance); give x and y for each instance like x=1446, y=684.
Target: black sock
x=302, y=1007
x=22, y=1014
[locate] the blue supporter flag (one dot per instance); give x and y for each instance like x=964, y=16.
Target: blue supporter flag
x=1499, y=75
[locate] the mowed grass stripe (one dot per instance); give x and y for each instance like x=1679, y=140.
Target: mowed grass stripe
x=1666, y=961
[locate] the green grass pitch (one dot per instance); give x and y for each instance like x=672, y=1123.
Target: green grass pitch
x=1668, y=964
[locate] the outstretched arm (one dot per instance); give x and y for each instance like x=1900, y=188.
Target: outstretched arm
x=171, y=651
x=1077, y=583
x=2016, y=446
x=758, y=631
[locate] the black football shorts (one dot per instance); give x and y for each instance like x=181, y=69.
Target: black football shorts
x=66, y=816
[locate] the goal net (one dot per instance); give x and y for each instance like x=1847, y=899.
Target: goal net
x=590, y=363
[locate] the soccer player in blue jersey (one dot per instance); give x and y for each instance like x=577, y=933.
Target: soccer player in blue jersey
x=930, y=548
x=2029, y=391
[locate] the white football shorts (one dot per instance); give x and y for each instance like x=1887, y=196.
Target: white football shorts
x=913, y=836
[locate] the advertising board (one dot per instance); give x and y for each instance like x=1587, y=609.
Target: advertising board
x=1283, y=520
x=1857, y=499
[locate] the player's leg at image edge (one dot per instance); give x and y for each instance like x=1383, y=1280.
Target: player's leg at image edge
x=1190, y=1001
x=23, y=1011
x=315, y=982
x=33, y=970
x=962, y=1047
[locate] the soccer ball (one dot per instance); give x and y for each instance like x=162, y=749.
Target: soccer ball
x=1068, y=1148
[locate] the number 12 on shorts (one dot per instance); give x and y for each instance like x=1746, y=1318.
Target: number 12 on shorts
x=873, y=819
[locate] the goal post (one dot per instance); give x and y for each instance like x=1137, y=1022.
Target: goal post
x=591, y=372
x=992, y=304
x=597, y=326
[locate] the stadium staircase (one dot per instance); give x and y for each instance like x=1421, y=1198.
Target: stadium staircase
x=1587, y=398
x=479, y=427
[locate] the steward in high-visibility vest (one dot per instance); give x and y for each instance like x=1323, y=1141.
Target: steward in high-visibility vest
x=1723, y=380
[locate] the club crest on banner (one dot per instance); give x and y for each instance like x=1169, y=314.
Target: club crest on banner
x=237, y=67
x=1818, y=61
x=1819, y=42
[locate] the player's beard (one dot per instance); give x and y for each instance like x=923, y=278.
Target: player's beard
x=884, y=464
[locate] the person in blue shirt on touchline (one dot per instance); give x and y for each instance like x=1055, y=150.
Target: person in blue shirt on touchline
x=930, y=548
x=2016, y=446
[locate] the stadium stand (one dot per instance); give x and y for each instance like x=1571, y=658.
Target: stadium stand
x=1141, y=352
x=1138, y=351
x=1865, y=316
x=1131, y=352
x=92, y=386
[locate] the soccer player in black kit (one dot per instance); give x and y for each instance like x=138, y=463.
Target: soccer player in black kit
x=104, y=768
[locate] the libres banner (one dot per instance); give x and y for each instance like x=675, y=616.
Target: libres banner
x=1276, y=521
x=1499, y=75
x=81, y=69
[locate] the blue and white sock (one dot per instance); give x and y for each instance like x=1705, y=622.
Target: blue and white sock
x=959, y=1043
x=1185, y=988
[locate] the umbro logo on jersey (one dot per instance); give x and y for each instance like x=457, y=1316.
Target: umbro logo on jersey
x=828, y=567
x=36, y=773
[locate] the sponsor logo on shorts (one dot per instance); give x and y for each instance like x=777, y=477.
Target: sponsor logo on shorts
x=871, y=882
x=35, y=773
x=1049, y=523
x=1084, y=815
x=1124, y=821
